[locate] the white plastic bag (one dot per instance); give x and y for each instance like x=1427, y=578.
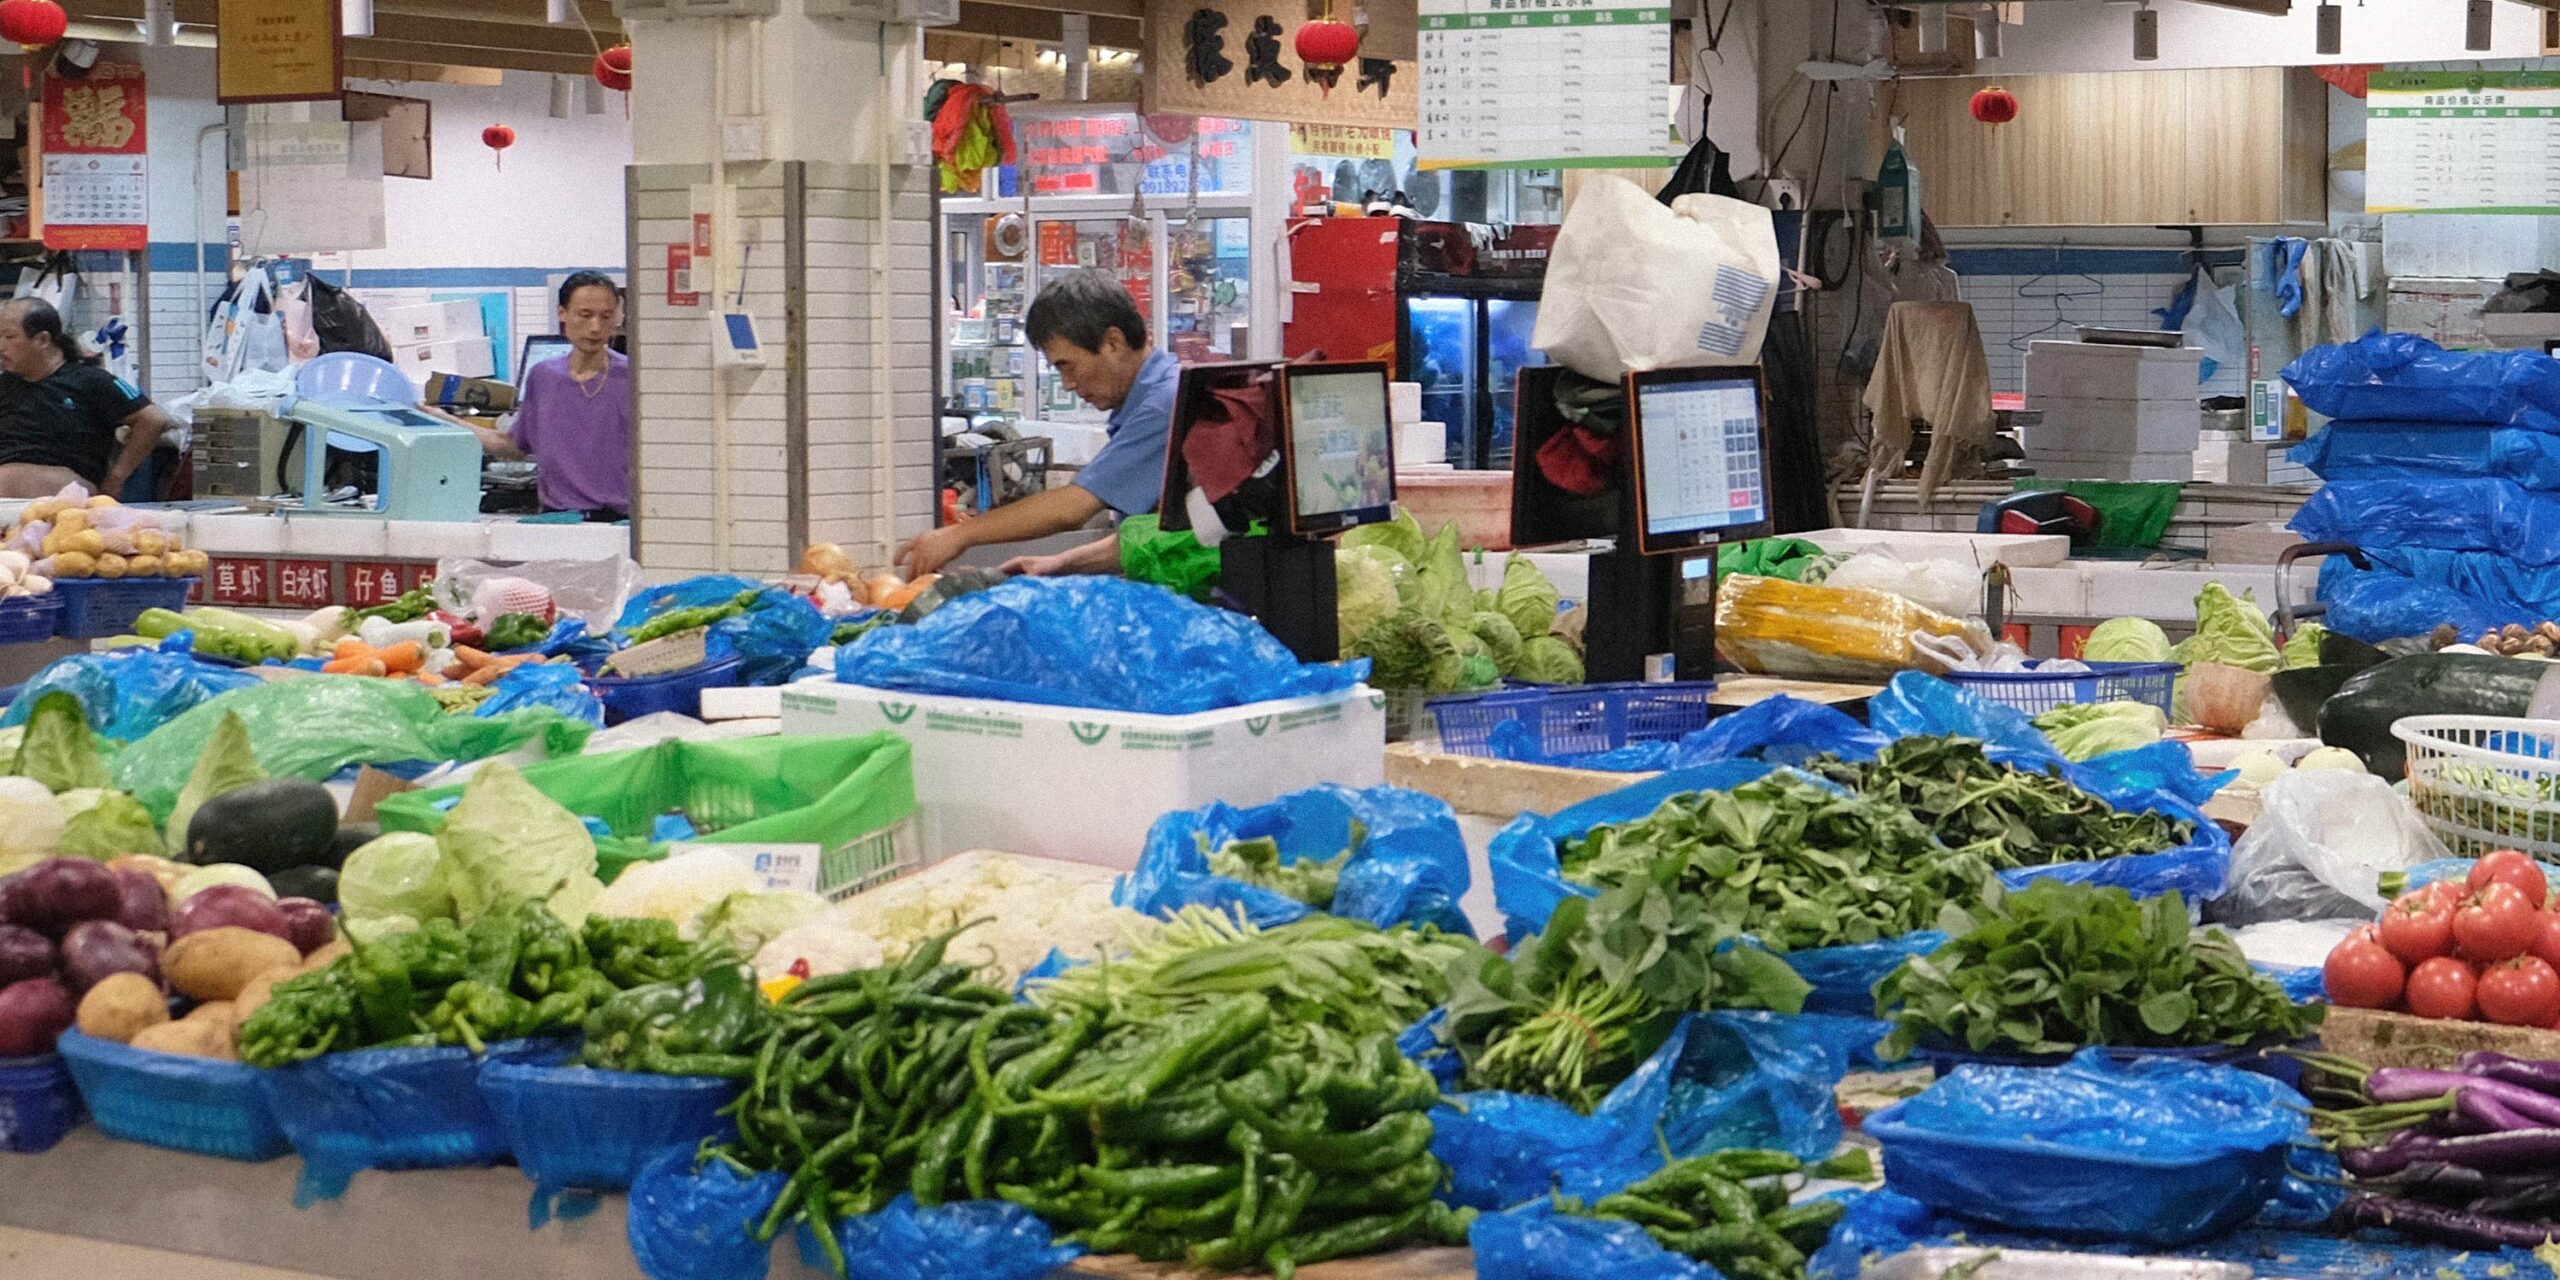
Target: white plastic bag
x=2324, y=838
x=1950, y=587
x=2213, y=324
x=56, y=283
x=591, y=590
x=1632, y=285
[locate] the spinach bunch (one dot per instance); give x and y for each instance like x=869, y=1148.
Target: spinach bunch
x=1312, y=881
x=1790, y=861
x=2054, y=967
x=2029, y=819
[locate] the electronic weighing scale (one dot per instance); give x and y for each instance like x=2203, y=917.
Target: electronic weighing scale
x=1672, y=470
x=426, y=468
x=1315, y=445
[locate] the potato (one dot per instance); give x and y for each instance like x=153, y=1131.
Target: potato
x=324, y=957
x=221, y=1013
x=111, y=565
x=217, y=964
x=188, y=1039
x=74, y=564
x=120, y=1006
x=254, y=996
x=71, y=520
x=101, y=502
x=142, y=566
x=150, y=542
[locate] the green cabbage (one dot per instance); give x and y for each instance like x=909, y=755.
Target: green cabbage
x=226, y=764
x=1438, y=586
x=2303, y=650
x=1549, y=660
x=104, y=824
x=507, y=840
x=58, y=749
x=747, y=921
x=2230, y=630
x=1364, y=592
x=1479, y=672
x=2126, y=640
x=1401, y=536
x=400, y=874
x=1410, y=651
x=2085, y=731
x=1526, y=598
x=1501, y=639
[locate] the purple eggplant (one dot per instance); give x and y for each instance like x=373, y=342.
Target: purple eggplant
x=2532, y=1073
x=2486, y=1113
x=2510, y=1151
x=2451, y=1226
x=2408, y=1084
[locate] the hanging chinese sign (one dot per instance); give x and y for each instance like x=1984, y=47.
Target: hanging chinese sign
x=278, y=51
x=1241, y=59
x=96, y=188
x=1545, y=84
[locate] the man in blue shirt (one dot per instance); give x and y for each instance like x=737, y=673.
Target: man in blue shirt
x=1089, y=328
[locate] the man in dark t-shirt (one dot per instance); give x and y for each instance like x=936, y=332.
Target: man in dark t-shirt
x=60, y=414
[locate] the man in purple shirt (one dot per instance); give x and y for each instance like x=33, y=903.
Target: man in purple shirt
x=573, y=412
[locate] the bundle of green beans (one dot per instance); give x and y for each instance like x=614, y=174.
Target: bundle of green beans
x=1728, y=1209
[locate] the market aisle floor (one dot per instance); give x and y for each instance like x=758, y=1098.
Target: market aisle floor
x=38, y=1255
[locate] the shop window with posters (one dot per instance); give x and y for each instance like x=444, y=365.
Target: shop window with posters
x=1119, y=153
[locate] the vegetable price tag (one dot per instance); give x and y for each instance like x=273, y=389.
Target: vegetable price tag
x=778, y=868
x=241, y=582
x=305, y=584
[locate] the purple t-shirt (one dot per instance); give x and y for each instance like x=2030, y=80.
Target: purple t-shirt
x=579, y=435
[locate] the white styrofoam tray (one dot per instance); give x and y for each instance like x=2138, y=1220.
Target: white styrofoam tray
x=1083, y=784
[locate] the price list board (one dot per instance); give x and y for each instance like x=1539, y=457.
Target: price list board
x=1544, y=84
x=2463, y=142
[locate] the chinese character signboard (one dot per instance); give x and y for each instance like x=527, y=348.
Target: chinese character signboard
x=278, y=51
x=372, y=583
x=238, y=582
x=1544, y=84
x=96, y=195
x=1113, y=153
x=1343, y=141
x=2462, y=142
x=304, y=584
x=1238, y=58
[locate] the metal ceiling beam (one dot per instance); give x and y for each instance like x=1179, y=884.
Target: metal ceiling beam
x=454, y=56
x=2263, y=8
x=1130, y=9
x=404, y=24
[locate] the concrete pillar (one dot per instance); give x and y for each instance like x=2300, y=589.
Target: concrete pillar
x=785, y=145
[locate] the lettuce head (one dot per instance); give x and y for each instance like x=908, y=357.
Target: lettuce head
x=1549, y=660
x=2126, y=640
x=1410, y=651
x=2231, y=630
x=507, y=840
x=2085, y=731
x=2303, y=650
x=1526, y=597
x=1364, y=591
x=1401, y=537
x=1501, y=639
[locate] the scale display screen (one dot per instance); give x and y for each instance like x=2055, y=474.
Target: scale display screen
x=1341, y=441
x=1700, y=457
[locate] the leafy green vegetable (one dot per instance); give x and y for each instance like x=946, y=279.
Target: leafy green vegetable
x=227, y=764
x=507, y=840
x=1526, y=597
x=400, y=874
x=517, y=631
x=58, y=749
x=1257, y=862
x=2126, y=640
x=1549, y=660
x=1501, y=640
x=2303, y=649
x=105, y=824
x=2055, y=967
x=1412, y=651
x=1438, y=587
x=2230, y=630
x=2029, y=819
x=1401, y=537
x=2087, y=730
x=747, y=921
x=1364, y=591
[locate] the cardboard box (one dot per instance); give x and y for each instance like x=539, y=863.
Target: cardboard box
x=2090, y=426
x=1085, y=785
x=2178, y=467
x=432, y=322
x=464, y=357
x=2094, y=371
x=454, y=391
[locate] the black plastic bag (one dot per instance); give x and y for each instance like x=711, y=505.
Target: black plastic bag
x=342, y=324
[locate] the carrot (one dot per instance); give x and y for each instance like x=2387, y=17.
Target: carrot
x=486, y=675
x=350, y=646
x=468, y=658
x=430, y=679
x=404, y=657
x=365, y=664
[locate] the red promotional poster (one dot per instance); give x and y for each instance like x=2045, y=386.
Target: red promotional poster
x=96, y=188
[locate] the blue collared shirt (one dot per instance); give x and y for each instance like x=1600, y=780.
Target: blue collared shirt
x=1128, y=474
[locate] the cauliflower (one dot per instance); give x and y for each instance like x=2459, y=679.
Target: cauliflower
x=1030, y=906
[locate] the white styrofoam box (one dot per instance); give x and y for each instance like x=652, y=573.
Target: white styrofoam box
x=2058, y=591
x=310, y=535
x=2231, y=462
x=1984, y=549
x=2172, y=467
x=1404, y=402
x=238, y=535
x=2094, y=371
x=432, y=322
x=1084, y=785
x=2073, y=425
x=467, y=357
x=2168, y=594
x=440, y=540
x=1420, y=444
x=754, y=703
x=515, y=540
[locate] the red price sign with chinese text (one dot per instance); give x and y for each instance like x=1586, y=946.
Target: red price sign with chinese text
x=418, y=575
x=239, y=582
x=304, y=584
x=375, y=582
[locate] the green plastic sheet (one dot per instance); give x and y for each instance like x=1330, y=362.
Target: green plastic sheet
x=2131, y=514
x=1175, y=561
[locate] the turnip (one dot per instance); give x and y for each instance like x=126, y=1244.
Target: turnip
x=229, y=904
x=24, y=954
x=95, y=950
x=32, y=1014
x=57, y=893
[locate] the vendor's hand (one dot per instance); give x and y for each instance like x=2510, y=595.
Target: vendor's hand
x=1034, y=566
x=927, y=552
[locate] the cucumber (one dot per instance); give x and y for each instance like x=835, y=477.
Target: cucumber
x=2360, y=716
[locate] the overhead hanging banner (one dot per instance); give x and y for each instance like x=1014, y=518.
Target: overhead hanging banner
x=278, y=51
x=97, y=192
x=1346, y=141
x=2462, y=142
x=1544, y=84
x=1239, y=58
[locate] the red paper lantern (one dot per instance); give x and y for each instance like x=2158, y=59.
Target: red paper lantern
x=32, y=24
x=498, y=138
x=613, y=68
x=1995, y=106
x=1325, y=46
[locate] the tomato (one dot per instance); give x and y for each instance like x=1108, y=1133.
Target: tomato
x=2448, y=892
x=2546, y=944
x=2523, y=992
x=2507, y=866
x=2441, y=987
x=2361, y=974
x=2417, y=927
x=2499, y=923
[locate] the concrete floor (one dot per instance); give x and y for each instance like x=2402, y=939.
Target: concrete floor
x=38, y=1255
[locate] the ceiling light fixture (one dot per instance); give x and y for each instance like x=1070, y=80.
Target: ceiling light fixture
x=2476, y=26
x=1986, y=32
x=2146, y=34
x=1930, y=24
x=2328, y=29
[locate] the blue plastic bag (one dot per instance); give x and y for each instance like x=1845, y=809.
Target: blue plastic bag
x=1410, y=866
x=1723, y=1079
x=1781, y=730
x=2155, y=1150
x=1534, y=1242
x=130, y=692
x=1106, y=643
x=543, y=684
x=388, y=1109
x=771, y=641
x=1915, y=705
x=2379, y=450
x=2401, y=377
x=2446, y=513
x=699, y=1224
x=684, y=593
x=1516, y=740
x=2380, y=604
x=980, y=1239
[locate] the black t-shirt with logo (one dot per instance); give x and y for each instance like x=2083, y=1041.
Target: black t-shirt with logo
x=67, y=420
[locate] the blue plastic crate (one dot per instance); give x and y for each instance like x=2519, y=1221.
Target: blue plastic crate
x=93, y=608
x=2272, y=1059
x=387, y=1109
x=1576, y=719
x=24, y=619
x=38, y=1103
x=680, y=691
x=2035, y=692
x=572, y=1126
x=165, y=1100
